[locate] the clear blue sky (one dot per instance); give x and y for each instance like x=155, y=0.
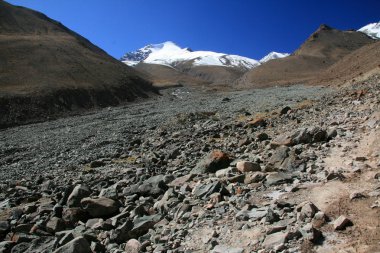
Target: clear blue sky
x=250, y=28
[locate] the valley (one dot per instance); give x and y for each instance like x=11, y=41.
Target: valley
x=171, y=150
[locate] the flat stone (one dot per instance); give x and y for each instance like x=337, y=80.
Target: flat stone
x=275, y=239
x=181, y=180
x=255, y=177
x=203, y=191
x=253, y=214
x=226, y=249
x=277, y=178
x=245, y=166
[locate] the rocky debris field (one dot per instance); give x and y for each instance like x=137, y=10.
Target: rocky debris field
x=291, y=169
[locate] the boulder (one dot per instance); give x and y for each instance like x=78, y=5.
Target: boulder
x=100, y=207
x=79, y=192
x=78, y=245
x=213, y=162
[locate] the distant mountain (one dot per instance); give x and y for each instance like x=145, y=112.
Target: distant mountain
x=272, y=56
x=167, y=64
x=47, y=70
x=170, y=54
x=372, y=30
x=321, y=50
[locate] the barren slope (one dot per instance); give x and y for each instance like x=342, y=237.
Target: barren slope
x=322, y=49
x=46, y=69
x=355, y=65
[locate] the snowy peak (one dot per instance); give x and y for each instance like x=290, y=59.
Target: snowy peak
x=273, y=55
x=143, y=53
x=372, y=30
x=170, y=54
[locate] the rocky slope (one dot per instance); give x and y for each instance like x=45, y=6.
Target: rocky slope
x=321, y=50
x=291, y=169
x=48, y=70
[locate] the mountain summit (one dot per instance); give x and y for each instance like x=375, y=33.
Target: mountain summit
x=170, y=54
x=272, y=56
x=372, y=30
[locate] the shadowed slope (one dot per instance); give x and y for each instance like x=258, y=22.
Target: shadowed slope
x=47, y=70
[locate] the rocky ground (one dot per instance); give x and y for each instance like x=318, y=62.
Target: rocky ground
x=276, y=170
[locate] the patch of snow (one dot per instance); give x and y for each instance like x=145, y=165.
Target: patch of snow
x=372, y=30
x=273, y=55
x=131, y=63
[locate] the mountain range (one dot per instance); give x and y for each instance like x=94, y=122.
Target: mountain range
x=168, y=64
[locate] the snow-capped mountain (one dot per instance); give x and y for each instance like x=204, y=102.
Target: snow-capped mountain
x=372, y=30
x=273, y=55
x=170, y=54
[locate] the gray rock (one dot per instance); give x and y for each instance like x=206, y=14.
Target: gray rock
x=6, y=246
x=169, y=199
x=254, y=177
x=278, y=178
x=79, y=192
x=42, y=244
x=253, y=214
x=121, y=233
x=65, y=237
x=21, y=247
x=78, y=245
x=4, y=227
x=142, y=225
x=271, y=216
x=278, y=157
x=73, y=215
x=204, y=191
x=110, y=192
x=100, y=207
x=306, y=210
x=273, y=240
x=55, y=225
x=310, y=233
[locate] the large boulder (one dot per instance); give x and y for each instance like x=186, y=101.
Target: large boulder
x=213, y=162
x=100, y=207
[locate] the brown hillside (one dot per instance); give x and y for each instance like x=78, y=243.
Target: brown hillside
x=360, y=62
x=321, y=50
x=47, y=70
x=186, y=73
x=165, y=76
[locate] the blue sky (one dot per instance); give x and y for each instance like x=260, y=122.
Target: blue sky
x=245, y=27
